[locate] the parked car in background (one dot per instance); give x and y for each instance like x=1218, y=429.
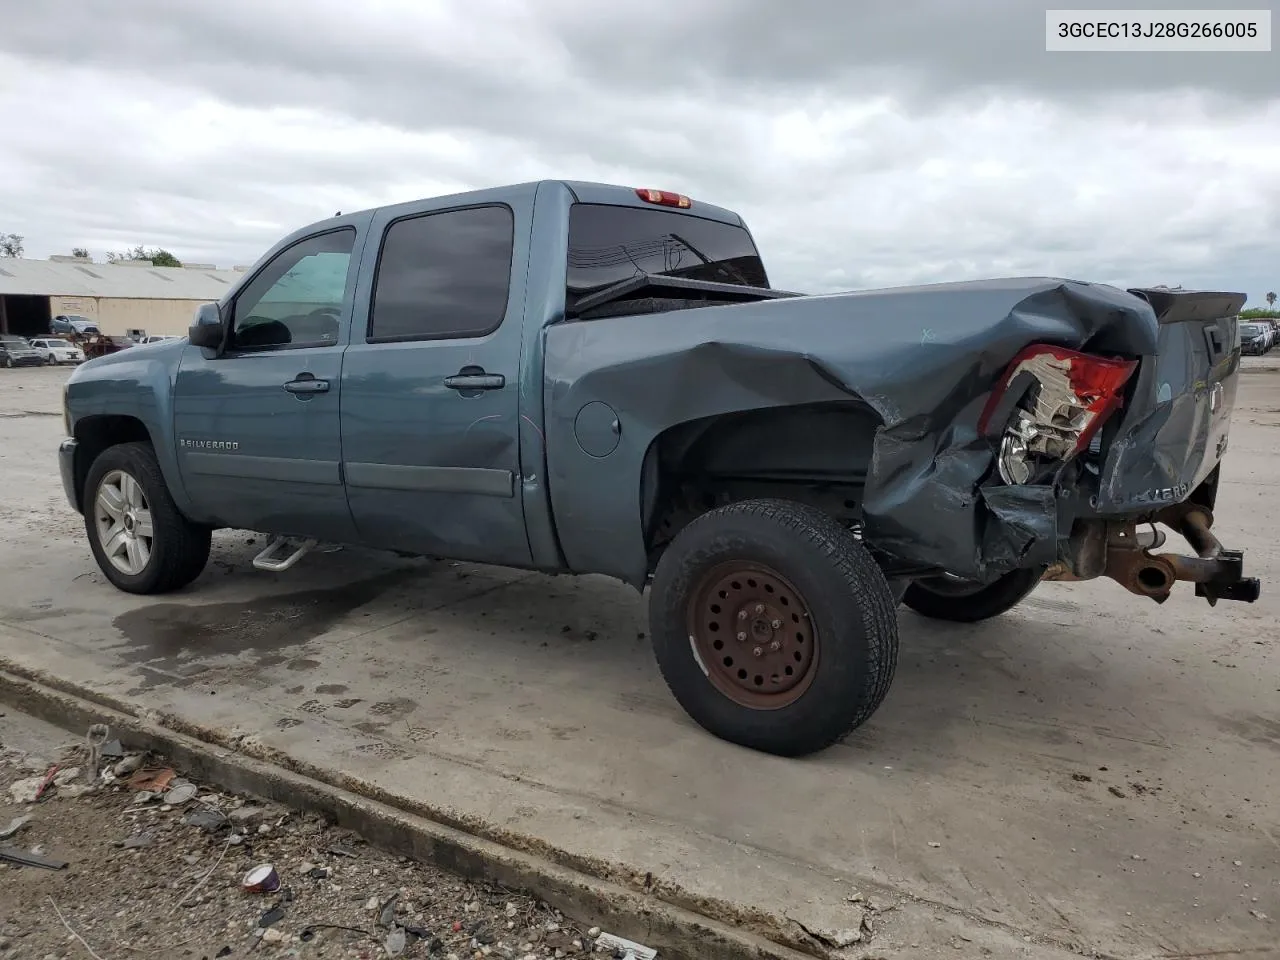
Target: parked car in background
x=73, y=323
x=158, y=338
x=16, y=352
x=99, y=345
x=1255, y=338
x=55, y=350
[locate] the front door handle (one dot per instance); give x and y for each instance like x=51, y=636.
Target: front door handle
x=306, y=383
x=475, y=381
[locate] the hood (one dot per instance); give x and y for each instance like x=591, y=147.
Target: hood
x=167, y=350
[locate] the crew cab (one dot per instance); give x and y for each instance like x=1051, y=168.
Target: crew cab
x=581, y=378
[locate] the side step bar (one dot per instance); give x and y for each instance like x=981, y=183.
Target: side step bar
x=274, y=558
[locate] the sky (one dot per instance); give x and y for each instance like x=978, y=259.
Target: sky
x=868, y=144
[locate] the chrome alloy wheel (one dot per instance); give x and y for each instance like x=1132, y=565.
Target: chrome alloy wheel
x=122, y=519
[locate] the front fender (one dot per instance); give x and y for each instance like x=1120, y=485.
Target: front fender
x=138, y=383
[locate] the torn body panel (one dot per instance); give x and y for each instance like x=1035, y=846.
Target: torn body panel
x=921, y=362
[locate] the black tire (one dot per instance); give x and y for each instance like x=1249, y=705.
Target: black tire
x=851, y=614
x=940, y=599
x=179, y=549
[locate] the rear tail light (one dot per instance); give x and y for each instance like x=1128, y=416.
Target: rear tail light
x=664, y=198
x=1072, y=395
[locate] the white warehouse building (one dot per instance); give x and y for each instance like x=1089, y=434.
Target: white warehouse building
x=121, y=298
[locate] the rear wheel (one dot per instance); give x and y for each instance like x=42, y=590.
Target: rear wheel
x=963, y=601
x=773, y=626
x=142, y=543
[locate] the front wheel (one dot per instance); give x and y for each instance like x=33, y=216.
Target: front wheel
x=138, y=536
x=773, y=626
x=963, y=601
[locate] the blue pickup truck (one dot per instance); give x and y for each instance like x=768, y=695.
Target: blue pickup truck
x=581, y=378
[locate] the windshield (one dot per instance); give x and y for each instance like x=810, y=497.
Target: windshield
x=1251, y=329
x=608, y=244
x=13, y=341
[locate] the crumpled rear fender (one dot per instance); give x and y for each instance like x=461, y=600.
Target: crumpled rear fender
x=923, y=359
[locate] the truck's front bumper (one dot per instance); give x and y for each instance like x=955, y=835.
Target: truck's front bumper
x=67, y=467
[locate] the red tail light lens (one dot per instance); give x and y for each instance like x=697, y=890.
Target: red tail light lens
x=664, y=198
x=1074, y=395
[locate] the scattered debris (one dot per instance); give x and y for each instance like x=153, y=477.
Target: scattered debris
x=1116, y=792
x=387, y=912
x=1082, y=778
x=71, y=930
x=190, y=857
x=934, y=843
x=206, y=818
x=16, y=824
x=261, y=879
x=395, y=941
x=30, y=859
x=151, y=780
x=111, y=750
x=274, y=915
x=26, y=790
x=48, y=781
x=138, y=840
x=630, y=950
x=1259, y=915
x=180, y=792
x=127, y=766
x=94, y=739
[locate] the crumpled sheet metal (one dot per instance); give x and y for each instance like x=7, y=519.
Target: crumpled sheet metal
x=923, y=358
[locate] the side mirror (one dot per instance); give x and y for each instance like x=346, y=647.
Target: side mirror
x=206, y=329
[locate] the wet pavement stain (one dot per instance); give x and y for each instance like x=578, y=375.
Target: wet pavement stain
x=170, y=632
x=399, y=707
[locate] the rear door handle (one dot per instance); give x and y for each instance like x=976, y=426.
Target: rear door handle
x=306, y=383
x=475, y=381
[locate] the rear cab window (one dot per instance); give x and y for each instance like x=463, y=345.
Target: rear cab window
x=610, y=243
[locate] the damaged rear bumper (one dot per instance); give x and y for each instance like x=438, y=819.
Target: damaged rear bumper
x=1117, y=549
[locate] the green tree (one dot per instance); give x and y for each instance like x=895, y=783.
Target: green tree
x=158, y=256
x=11, y=245
x=1271, y=299
x=80, y=253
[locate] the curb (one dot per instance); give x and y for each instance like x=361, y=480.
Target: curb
x=675, y=932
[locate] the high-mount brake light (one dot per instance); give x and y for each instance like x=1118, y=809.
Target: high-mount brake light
x=664, y=198
x=1074, y=395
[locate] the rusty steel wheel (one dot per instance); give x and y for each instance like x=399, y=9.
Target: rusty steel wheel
x=752, y=631
x=773, y=626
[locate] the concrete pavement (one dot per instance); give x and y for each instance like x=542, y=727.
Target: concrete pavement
x=1080, y=776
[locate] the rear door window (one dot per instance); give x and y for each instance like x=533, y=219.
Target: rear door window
x=443, y=276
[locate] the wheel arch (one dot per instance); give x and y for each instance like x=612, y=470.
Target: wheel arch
x=817, y=453
x=99, y=432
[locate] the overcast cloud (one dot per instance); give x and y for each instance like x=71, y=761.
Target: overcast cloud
x=868, y=143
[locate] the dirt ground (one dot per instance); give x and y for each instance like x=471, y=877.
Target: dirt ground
x=141, y=880
x=1088, y=775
